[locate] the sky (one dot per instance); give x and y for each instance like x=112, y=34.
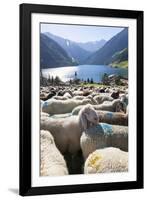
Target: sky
x=79, y=33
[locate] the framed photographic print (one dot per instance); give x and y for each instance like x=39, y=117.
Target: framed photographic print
x=81, y=99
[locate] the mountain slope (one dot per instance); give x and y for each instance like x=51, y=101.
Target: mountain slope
x=105, y=55
x=92, y=45
x=120, y=59
x=73, y=50
x=52, y=55
x=120, y=56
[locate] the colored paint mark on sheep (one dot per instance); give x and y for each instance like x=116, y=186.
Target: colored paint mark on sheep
x=93, y=161
x=98, y=128
x=107, y=128
x=109, y=115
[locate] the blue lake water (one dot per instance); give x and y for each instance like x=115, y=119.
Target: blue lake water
x=84, y=72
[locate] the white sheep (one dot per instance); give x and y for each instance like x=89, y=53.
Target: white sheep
x=79, y=97
x=60, y=98
x=66, y=115
x=104, y=135
x=101, y=98
x=52, y=162
x=67, y=95
x=116, y=118
x=93, y=102
x=67, y=132
x=78, y=93
x=127, y=110
x=106, y=160
x=124, y=98
x=41, y=104
x=44, y=115
x=53, y=106
x=114, y=106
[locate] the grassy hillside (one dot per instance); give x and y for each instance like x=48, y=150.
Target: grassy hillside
x=123, y=64
x=120, y=59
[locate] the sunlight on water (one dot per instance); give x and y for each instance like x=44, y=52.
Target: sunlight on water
x=83, y=72
x=65, y=73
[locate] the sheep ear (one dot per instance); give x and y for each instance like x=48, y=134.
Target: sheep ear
x=86, y=114
x=84, y=121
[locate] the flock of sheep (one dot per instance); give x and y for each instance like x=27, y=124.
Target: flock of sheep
x=83, y=130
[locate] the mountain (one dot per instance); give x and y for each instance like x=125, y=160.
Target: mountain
x=52, y=54
x=73, y=50
x=105, y=55
x=120, y=59
x=92, y=45
x=120, y=56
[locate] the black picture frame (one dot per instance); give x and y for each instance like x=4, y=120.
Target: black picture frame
x=25, y=187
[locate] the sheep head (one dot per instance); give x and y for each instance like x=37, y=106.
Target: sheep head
x=88, y=117
x=93, y=101
x=119, y=106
